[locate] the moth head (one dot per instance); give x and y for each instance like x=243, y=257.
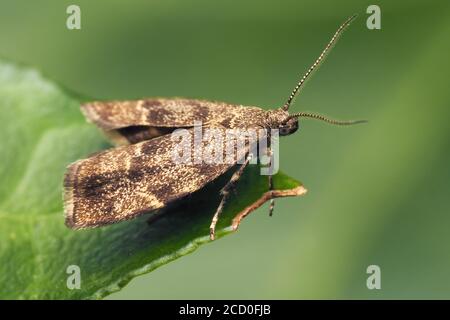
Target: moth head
x=288, y=127
x=289, y=123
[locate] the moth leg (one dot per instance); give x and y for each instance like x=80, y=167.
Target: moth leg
x=298, y=191
x=272, y=201
x=225, y=192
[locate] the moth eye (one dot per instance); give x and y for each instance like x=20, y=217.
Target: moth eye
x=283, y=130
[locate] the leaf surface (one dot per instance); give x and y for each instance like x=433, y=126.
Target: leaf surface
x=42, y=132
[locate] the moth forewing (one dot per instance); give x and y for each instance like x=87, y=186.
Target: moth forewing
x=127, y=122
x=124, y=182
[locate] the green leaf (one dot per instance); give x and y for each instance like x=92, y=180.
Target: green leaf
x=42, y=132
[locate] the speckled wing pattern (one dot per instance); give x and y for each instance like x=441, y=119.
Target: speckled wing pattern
x=127, y=122
x=121, y=183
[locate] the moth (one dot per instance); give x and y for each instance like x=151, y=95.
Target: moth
x=139, y=176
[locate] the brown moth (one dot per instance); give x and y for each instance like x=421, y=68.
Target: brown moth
x=139, y=175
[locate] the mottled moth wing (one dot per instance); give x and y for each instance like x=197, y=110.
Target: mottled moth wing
x=127, y=122
x=121, y=183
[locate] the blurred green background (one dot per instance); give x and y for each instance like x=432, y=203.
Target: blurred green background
x=378, y=193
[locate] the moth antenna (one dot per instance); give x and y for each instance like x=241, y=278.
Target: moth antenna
x=323, y=118
x=317, y=62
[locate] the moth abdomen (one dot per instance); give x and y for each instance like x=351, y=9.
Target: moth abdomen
x=135, y=134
